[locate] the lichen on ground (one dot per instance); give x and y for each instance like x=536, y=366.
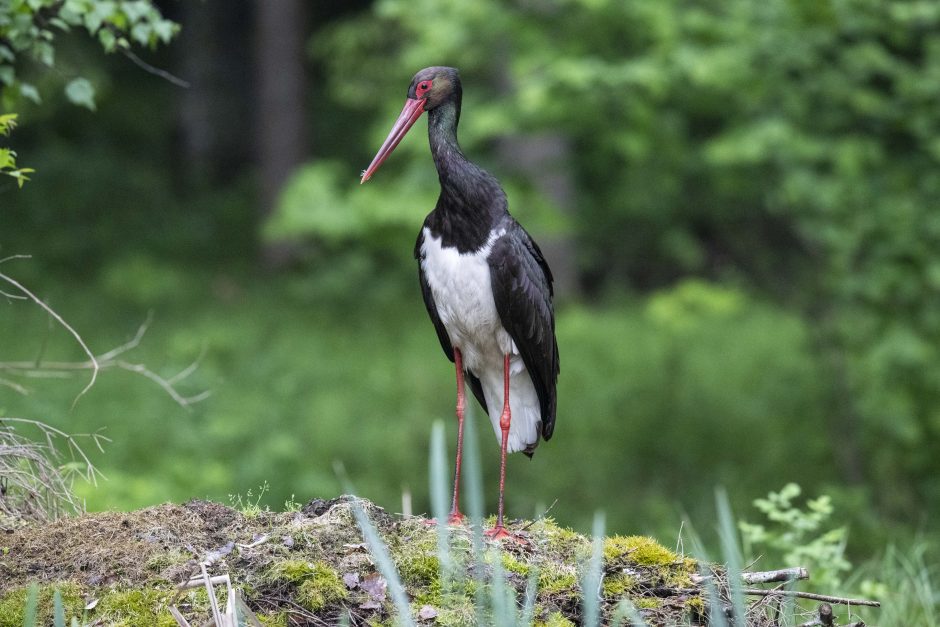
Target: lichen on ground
x=313, y=567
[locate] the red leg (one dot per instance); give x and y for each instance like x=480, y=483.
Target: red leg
x=455, y=516
x=499, y=531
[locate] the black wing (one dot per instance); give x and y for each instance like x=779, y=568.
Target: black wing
x=472, y=379
x=522, y=290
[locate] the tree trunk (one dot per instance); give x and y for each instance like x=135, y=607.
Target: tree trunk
x=280, y=121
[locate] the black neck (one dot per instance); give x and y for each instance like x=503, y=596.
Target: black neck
x=471, y=201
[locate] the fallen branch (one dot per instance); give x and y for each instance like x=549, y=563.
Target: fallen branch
x=776, y=592
x=811, y=596
x=767, y=576
x=770, y=576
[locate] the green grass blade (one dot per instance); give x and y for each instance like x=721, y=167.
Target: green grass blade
x=386, y=566
x=473, y=488
x=501, y=600
x=378, y=551
x=626, y=611
x=58, y=610
x=32, y=602
x=716, y=615
x=437, y=470
x=531, y=591
x=731, y=554
x=593, y=574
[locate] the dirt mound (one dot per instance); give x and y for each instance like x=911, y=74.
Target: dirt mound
x=312, y=567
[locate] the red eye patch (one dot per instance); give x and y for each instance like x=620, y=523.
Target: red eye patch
x=423, y=88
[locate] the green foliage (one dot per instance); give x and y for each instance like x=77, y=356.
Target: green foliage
x=799, y=537
x=906, y=583
x=40, y=605
x=250, y=504
x=789, y=145
x=29, y=28
x=7, y=156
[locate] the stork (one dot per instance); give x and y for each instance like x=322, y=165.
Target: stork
x=486, y=285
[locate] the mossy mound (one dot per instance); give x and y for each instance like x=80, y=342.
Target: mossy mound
x=313, y=566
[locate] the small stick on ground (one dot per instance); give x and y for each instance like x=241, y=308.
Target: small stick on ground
x=769, y=576
x=810, y=595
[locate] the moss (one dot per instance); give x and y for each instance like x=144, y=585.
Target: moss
x=561, y=542
x=278, y=619
x=160, y=561
x=455, y=610
x=555, y=619
x=318, y=584
x=555, y=583
x=13, y=603
x=640, y=550
x=647, y=603
x=321, y=590
x=420, y=569
x=289, y=571
x=127, y=608
x=618, y=585
x=696, y=606
x=513, y=565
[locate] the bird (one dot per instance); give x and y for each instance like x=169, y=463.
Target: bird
x=486, y=285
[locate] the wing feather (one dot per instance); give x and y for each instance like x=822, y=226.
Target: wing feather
x=522, y=290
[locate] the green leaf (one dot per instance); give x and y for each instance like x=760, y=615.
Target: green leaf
x=7, y=74
x=7, y=123
x=107, y=39
x=82, y=93
x=27, y=90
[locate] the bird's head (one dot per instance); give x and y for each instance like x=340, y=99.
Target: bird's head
x=429, y=89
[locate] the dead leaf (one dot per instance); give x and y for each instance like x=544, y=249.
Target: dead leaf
x=351, y=580
x=375, y=585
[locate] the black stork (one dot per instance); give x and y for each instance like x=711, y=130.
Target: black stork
x=485, y=283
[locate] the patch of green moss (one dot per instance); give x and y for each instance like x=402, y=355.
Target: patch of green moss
x=13, y=603
x=555, y=583
x=159, y=561
x=696, y=606
x=289, y=571
x=619, y=584
x=677, y=577
x=455, y=610
x=561, y=542
x=513, y=565
x=273, y=620
x=420, y=569
x=318, y=584
x=127, y=608
x=640, y=550
x=555, y=619
x=647, y=603
x=323, y=588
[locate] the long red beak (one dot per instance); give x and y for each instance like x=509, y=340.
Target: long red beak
x=409, y=115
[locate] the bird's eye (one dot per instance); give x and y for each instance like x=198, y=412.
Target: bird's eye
x=423, y=88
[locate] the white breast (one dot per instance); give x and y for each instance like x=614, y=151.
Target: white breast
x=463, y=295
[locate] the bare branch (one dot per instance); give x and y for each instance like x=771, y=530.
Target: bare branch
x=784, y=574
x=66, y=325
x=61, y=369
x=13, y=385
x=810, y=595
x=155, y=70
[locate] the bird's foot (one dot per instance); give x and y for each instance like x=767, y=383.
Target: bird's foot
x=499, y=533
x=455, y=519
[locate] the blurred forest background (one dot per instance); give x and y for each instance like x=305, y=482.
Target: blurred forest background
x=739, y=200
